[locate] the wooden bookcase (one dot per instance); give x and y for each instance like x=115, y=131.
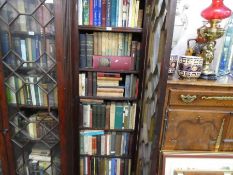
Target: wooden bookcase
x=139, y=35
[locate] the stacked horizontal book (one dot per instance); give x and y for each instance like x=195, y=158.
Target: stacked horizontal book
x=40, y=160
x=111, y=51
x=100, y=166
x=98, y=142
x=110, y=13
x=108, y=85
x=108, y=115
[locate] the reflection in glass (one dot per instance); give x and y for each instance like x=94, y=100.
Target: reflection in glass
x=27, y=46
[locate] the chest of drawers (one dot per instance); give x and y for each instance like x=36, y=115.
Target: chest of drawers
x=198, y=115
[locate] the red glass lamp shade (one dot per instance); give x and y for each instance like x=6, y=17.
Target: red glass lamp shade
x=217, y=10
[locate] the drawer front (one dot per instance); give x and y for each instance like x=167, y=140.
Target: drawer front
x=200, y=98
x=193, y=130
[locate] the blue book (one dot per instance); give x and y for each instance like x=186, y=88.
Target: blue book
x=118, y=117
x=113, y=167
x=95, y=12
x=108, y=13
x=4, y=43
x=117, y=12
x=113, y=13
x=34, y=49
x=99, y=13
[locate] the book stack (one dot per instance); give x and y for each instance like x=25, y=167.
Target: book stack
x=39, y=125
x=112, y=51
x=31, y=93
x=105, y=143
x=110, y=13
x=40, y=160
x=100, y=166
x=108, y=116
x=108, y=85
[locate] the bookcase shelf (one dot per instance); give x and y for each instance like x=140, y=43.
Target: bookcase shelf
x=109, y=29
x=35, y=107
x=108, y=98
x=32, y=34
x=106, y=156
x=108, y=71
x=108, y=130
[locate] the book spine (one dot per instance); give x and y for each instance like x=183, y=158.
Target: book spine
x=138, y=54
x=117, y=12
x=99, y=47
x=104, y=9
x=85, y=12
x=4, y=43
x=80, y=12
x=107, y=117
x=108, y=13
x=95, y=4
x=90, y=85
x=133, y=54
x=91, y=10
x=113, y=13
x=99, y=13
x=94, y=83
x=120, y=13
x=118, y=117
x=90, y=47
x=83, y=54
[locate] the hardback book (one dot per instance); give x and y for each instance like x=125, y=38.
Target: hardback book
x=112, y=62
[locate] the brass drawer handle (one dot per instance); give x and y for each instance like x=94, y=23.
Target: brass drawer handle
x=188, y=98
x=217, y=98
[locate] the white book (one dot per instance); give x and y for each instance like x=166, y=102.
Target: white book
x=86, y=143
x=12, y=94
x=108, y=144
x=32, y=89
x=134, y=115
x=103, y=145
x=86, y=166
x=110, y=166
x=136, y=13
x=118, y=164
x=40, y=158
x=86, y=115
x=129, y=166
x=23, y=51
x=83, y=84
x=122, y=145
x=90, y=151
x=112, y=115
x=130, y=13
x=120, y=13
x=80, y=12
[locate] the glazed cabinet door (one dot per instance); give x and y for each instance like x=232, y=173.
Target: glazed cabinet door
x=195, y=130
x=28, y=86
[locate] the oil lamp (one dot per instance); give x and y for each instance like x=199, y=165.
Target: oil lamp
x=208, y=34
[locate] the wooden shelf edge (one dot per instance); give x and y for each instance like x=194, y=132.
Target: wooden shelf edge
x=32, y=106
x=112, y=71
x=108, y=130
x=108, y=98
x=106, y=156
x=110, y=29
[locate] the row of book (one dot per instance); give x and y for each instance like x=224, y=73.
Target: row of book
x=114, y=45
x=28, y=49
x=104, y=166
x=103, y=85
x=25, y=22
x=114, y=13
x=29, y=93
x=98, y=142
x=108, y=116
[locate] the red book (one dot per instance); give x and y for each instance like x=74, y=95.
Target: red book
x=100, y=74
x=89, y=80
x=112, y=62
x=137, y=83
x=91, y=12
x=104, y=7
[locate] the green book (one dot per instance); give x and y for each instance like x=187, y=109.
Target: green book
x=85, y=12
x=81, y=144
x=118, y=117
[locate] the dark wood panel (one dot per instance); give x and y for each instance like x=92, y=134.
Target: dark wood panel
x=109, y=29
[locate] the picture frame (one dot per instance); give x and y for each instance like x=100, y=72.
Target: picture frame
x=197, y=163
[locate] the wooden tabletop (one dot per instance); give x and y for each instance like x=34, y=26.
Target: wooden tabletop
x=224, y=81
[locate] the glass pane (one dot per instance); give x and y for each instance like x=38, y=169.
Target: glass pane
x=27, y=46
